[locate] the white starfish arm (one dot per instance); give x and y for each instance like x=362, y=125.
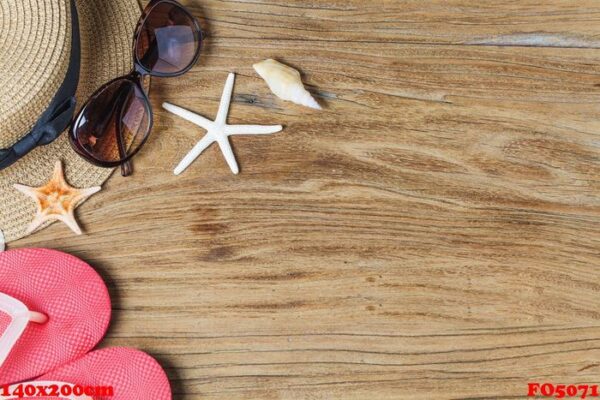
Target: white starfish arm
x=71, y=222
x=252, y=129
x=194, y=153
x=189, y=116
x=38, y=221
x=225, y=100
x=26, y=190
x=85, y=195
x=228, y=153
x=90, y=191
x=58, y=174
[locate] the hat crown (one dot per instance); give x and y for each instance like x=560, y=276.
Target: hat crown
x=35, y=47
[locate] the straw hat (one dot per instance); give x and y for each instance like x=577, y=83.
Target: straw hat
x=35, y=49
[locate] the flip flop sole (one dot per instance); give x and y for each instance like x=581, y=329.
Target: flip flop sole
x=131, y=374
x=70, y=293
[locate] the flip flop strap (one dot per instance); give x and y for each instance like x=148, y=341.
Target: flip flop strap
x=20, y=318
x=45, y=384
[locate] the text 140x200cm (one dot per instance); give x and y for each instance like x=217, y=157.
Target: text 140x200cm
x=44, y=390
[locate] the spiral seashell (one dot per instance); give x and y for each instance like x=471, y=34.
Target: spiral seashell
x=285, y=82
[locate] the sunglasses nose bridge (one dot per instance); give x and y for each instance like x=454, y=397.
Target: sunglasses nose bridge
x=136, y=75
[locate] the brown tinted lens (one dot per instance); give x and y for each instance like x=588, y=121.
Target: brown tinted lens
x=114, y=124
x=168, y=40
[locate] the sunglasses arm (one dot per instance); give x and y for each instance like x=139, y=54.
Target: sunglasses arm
x=127, y=166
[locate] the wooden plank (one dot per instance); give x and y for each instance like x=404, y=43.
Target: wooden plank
x=434, y=233
x=556, y=23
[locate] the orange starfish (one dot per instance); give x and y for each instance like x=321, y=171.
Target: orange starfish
x=57, y=200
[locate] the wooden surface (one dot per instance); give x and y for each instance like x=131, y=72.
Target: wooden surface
x=434, y=234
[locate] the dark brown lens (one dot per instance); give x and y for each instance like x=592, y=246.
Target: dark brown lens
x=168, y=40
x=114, y=124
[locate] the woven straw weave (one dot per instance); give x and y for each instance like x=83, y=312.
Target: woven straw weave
x=35, y=40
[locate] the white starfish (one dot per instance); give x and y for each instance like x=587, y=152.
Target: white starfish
x=218, y=130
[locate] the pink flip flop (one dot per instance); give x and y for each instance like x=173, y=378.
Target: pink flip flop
x=112, y=374
x=54, y=308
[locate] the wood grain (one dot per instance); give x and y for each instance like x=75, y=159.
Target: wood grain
x=434, y=234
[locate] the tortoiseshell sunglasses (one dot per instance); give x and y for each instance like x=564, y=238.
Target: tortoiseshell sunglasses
x=117, y=119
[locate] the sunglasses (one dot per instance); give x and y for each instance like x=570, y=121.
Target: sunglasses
x=113, y=125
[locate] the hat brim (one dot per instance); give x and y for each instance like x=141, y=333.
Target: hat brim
x=106, y=29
